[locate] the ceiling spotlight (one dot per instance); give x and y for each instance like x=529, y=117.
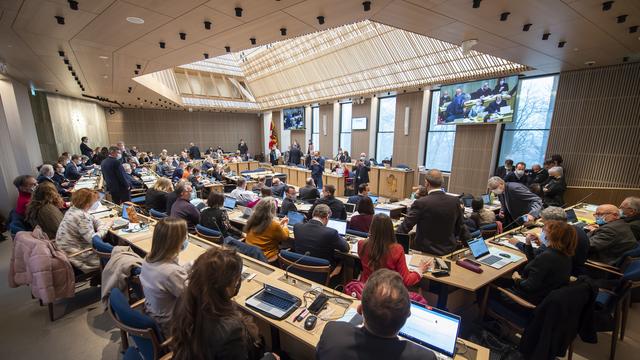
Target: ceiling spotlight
x=136, y=72
x=138, y=66
x=633, y=29
x=320, y=19
x=366, y=5
x=238, y=11
x=129, y=90
x=590, y=63
x=73, y=73
x=227, y=48
x=545, y=36
x=283, y=31
x=61, y=53
x=504, y=16
x=70, y=68
x=206, y=55
x=253, y=41
x=526, y=27
x=476, y=3
x=625, y=59
x=162, y=44
x=73, y=4
x=135, y=20
x=66, y=61
x=60, y=20
x=620, y=19
x=183, y=36
x=606, y=6
x=561, y=44
x=207, y=24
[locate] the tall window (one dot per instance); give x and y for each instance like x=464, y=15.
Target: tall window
x=440, y=139
x=345, y=126
x=315, y=128
x=386, y=126
x=526, y=138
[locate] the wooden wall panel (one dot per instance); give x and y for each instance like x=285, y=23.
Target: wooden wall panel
x=405, y=146
x=575, y=194
x=172, y=130
x=326, y=141
x=360, y=138
x=596, y=126
x=471, y=164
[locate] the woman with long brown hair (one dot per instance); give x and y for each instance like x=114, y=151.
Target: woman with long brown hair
x=44, y=209
x=381, y=250
x=207, y=323
x=264, y=231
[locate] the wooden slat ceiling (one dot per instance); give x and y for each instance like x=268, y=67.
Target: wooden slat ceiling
x=30, y=37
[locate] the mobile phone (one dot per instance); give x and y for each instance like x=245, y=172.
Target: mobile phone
x=318, y=304
x=440, y=273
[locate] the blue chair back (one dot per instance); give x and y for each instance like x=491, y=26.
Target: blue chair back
x=633, y=253
x=138, y=199
x=100, y=245
x=402, y=166
x=492, y=226
x=17, y=223
x=157, y=214
x=246, y=249
x=207, y=231
x=357, y=233
x=632, y=271
x=319, y=277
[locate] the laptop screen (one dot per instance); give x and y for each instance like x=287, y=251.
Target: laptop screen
x=374, y=199
x=295, y=217
x=432, y=328
x=350, y=207
x=125, y=215
x=339, y=225
x=571, y=216
x=377, y=211
x=486, y=199
x=229, y=202
x=478, y=247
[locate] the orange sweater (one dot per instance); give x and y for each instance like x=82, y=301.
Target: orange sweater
x=269, y=239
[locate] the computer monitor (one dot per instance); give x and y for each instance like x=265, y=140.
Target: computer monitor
x=350, y=207
x=486, y=199
x=125, y=215
x=339, y=225
x=377, y=211
x=295, y=217
x=571, y=216
x=478, y=247
x=374, y=199
x=432, y=328
x=229, y=202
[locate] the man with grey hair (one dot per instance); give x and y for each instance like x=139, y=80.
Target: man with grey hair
x=516, y=200
x=554, y=189
x=46, y=175
x=630, y=212
x=554, y=213
x=611, y=236
x=315, y=237
x=128, y=174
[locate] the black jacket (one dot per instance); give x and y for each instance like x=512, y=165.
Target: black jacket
x=194, y=152
x=278, y=190
x=61, y=190
x=320, y=241
x=634, y=224
x=171, y=198
x=554, y=192
x=71, y=171
x=116, y=180
x=308, y=193
x=295, y=155
x=361, y=174
x=511, y=177
x=502, y=172
x=540, y=177
x=544, y=273
x=86, y=150
x=157, y=200
x=338, y=211
x=342, y=340
x=287, y=205
x=608, y=242
x=243, y=148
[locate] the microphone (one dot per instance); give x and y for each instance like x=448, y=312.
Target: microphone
x=583, y=199
x=286, y=272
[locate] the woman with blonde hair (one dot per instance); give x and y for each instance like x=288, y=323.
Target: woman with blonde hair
x=44, y=209
x=156, y=197
x=264, y=231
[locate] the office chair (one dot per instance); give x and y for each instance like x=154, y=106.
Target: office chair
x=209, y=234
x=309, y=267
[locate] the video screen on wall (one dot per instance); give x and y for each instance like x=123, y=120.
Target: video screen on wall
x=293, y=118
x=487, y=101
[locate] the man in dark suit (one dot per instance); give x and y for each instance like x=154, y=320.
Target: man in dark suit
x=507, y=168
x=363, y=190
x=516, y=200
x=338, y=210
x=309, y=192
x=519, y=175
x=179, y=171
x=316, y=166
x=295, y=155
x=611, y=236
x=361, y=172
x=385, y=308
x=630, y=208
x=115, y=177
x=438, y=217
x=85, y=149
x=538, y=175
x=71, y=170
x=318, y=239
x=495, y=106
x=288, y=204
x=554, y=189
x=194, y=151
x=277, y=187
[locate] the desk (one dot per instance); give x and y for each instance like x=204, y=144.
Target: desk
x=296, y=176
x=395, y=183
x=585, y=212
x=336, y=180
x=247, y=165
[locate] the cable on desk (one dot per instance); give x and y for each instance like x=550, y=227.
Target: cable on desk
x=466, y=348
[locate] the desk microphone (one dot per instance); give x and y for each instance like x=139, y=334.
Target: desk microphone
x=584, y=198
x=286, y=272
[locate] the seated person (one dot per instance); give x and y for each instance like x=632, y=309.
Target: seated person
x=85, y=164
x=215, y=216
x=338, y=211
x=196, y=179
x=555, y=187
x=538, y=175
x=187, y=172
x=44, y=209
x=217, y=172
x=162, y=277
x=260, y=185
x=241, y=193
x=71, y=170
x=277, y=187
x=156, y=197
x=344, y=157
x=178, y=173
x=173, y=196
x=46, y=175
x=288, y=204
x=207, y=164
x=264, y=231
x=78, y=227
x=315, y=237
x=182, y=208
x=26, y=185
x=58, y=176
x=630, y=208
x=419, y=193
x=610, y=237
x=134, y=183
x=363, y=191
x=477, y=109
x=362, y=221
x=264, y=192
x=385, y=308
x=381, y=251
x=164, y=167
x=309, y=192
x=481, y=93
x=481, y=216
x=495, y=106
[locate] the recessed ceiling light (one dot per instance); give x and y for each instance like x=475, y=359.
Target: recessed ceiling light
x=105, y=76
x=135, y=20
x=103, y=57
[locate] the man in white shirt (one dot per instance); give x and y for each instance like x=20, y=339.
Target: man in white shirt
x=241, y=193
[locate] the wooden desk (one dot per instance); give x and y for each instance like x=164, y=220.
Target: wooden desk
x=395, y=183
x=585, y=212
x=374, y=180
x=296, y=176
x=335, y=180
x=247, y=165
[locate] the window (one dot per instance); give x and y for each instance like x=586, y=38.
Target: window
x=526, y=138
x=315, y=127
x=440, y=139
x=386, y=126
x=345, y=126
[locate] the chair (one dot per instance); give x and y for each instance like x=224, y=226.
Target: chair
x=357, y=233
x=246, y=249
x=403, y=166
x=17, y=223
x=489, y=230
x=143, y=329
x=208, y=234
x=309, y=267
x=102, y=249
x=404, y=240
x=157, y=215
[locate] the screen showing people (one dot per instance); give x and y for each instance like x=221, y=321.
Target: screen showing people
x=478, y=102
x=293, y=118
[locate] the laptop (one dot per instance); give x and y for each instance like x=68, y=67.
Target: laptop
x=377, y=211
x=482, y=254
x=339, y=225
x=199, y=204
x=273, y=302
x=229, y=202
x=432, y=328
x=374, y=199
x=351, y=208
x=486, y=199
x=295, y=218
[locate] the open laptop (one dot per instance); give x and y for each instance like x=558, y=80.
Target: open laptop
x=432, y=328
x=377, y=211
x=294, y=218
x=339, y=225
x=482, y=254
x=351, y=208
x=374, y=199
x=486, y=199
x=199, y=204
x=229, y=202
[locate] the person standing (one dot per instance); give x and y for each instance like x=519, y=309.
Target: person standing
x=85, y=149
x=194, y=152
x=115, y=177
x=361, y=173
x=317, y=168
x=243, y=148
x=516, y=200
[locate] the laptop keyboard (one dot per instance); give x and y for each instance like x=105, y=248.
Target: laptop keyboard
x=273, y=300
x=492, y=259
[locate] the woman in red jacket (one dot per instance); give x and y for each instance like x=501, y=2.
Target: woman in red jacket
x=381, y=250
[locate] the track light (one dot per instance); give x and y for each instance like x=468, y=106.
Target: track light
x=206, y=55
x=60, y=53
x=320, y=19
x=366, y=5
x=625, y=59
x=253, y=41
x=526, y=27
x=183, y=36
x=476, y=3
x=66, y=61
x=606, y=6
x=73, y=4
x=545, y=36
x=162, y=44
x=70, y=68
x=238, y=11
x=620, y=19
x=561, y=44
x=227, y=48
x=60, y=20
x=129, y=90
x=504, y=16
x=73, y=73
x=138, y=66
x=633, y=29
x=136, y=72
x=207, y=24
x=283, y=31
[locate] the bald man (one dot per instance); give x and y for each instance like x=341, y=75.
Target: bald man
x=630, y=211
x=611, y=236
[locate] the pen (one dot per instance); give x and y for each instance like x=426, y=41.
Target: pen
x=302, y=314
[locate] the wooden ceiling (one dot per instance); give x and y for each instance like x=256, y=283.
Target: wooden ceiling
x=104, y=49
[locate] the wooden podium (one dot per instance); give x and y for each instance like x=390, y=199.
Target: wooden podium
x=395, y=183
x=335, y=180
